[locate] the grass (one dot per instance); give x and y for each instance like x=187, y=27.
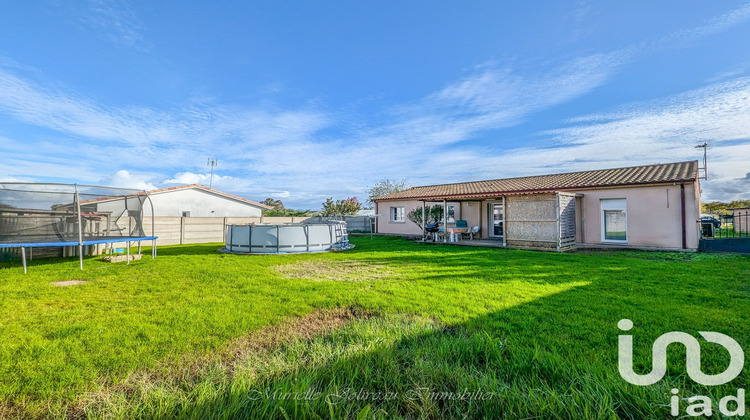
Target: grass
x=728, y=231
x=389, y=329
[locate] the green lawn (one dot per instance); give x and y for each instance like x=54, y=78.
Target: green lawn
x=367, y=332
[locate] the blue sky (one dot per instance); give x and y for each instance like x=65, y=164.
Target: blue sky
x=304, y=100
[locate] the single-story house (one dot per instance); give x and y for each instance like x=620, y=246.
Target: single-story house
x=189, y=201
x=651, y=206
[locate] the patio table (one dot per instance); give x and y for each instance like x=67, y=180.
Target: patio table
x=455, y=233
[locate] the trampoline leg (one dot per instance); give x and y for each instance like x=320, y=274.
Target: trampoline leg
x=153, y=249
x=139, y=247
x=80, y=256
x=23, y=259
x=128, y=248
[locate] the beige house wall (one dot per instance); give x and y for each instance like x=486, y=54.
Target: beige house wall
x=653, y=215
x=465, y=210
x=383, y=223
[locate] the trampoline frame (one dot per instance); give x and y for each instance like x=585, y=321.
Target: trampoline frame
x=80, y=243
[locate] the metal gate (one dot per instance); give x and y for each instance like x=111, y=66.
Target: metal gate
x=726, y=233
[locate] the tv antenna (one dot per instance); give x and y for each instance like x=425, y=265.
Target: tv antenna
x=703, y=146
x=212, y=163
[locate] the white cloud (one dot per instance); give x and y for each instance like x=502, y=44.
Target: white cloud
x=728, y=189
x=714, y=26
x=281, y=153
x=724, y=75
x=263, y=153
x=125, y=179
x=185, y=178
x=651, y=132
x=116, y=21
x=14, y=179
x=138, y=137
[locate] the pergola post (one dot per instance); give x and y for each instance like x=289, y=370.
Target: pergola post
x=424, y=221
x=505, y=223
x=445, y=220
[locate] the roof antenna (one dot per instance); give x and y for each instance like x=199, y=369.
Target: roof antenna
x=703, y=146
x=212, y=163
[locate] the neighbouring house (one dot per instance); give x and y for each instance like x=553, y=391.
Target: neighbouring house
x=199, y=201
x=190, y=201
x=651, y=206
x=187, y=214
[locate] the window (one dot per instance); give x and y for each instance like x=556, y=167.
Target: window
x=614, y=220
x=451, y=213
x=397, y=215
x=185, y=214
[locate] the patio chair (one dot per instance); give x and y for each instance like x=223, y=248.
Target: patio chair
x=473, y=231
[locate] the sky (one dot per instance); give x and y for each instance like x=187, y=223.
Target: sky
x=300, y=101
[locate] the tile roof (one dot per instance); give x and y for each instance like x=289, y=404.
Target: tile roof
x=181, y=187
x=635, y=175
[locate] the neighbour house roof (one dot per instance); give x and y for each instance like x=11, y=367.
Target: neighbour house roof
x=181, y=187
x=635, y=175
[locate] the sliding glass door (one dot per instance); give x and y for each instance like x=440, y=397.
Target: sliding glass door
x=497, y=216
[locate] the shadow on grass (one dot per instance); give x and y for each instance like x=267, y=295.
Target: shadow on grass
x=553, y=357
x=170, y=250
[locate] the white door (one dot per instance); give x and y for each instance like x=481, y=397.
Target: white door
x=497, y=216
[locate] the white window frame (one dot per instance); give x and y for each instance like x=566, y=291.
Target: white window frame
x=613, y=204
x=394, y=214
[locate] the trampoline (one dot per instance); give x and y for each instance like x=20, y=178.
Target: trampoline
x=34, y=215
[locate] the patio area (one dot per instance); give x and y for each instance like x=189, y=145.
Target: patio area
x=485, y=243
x=525, y=221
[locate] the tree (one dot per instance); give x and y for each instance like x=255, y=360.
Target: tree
x=720, y=208
x=276, y=204
x=341, y=208
x=286, y=213
x=385, y=187
x=434, y=213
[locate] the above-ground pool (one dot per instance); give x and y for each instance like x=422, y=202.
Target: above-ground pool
x=288, y=238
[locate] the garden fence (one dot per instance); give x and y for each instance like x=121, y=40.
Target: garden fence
x=729, y=226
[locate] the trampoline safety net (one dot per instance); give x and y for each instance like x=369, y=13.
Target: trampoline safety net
x=50, y=215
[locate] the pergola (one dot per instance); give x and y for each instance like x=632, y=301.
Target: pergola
x=444, y=202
